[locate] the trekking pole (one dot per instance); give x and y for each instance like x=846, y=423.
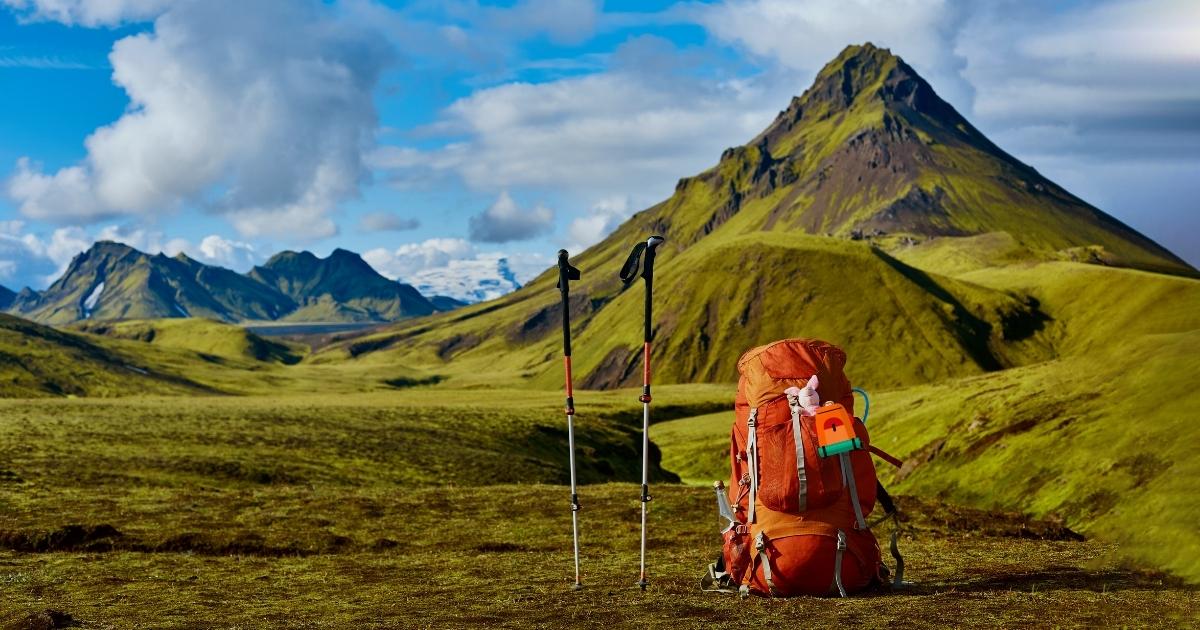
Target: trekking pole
x=567, y=273
x=629, y=273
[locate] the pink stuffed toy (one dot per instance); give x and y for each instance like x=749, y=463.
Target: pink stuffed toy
x=806, y=397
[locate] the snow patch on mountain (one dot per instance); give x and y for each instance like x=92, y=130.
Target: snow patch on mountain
x=470, y=280
x=93, y=298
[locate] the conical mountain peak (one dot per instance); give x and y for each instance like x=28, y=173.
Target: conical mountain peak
x=869, y=87
x=856, y=71
x=868, y=74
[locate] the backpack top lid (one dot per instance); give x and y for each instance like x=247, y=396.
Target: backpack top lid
x=766, y=371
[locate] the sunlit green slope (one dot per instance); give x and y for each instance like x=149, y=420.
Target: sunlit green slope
x=37, y=361
x=207, y=337
x=720, y=298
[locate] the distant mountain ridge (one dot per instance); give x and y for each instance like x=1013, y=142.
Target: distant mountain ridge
x=342, y=287
x=113, y=281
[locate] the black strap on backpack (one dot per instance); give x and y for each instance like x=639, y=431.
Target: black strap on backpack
x=889, y=509
x=885, y=499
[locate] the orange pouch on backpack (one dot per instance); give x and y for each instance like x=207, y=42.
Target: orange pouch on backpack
x=804, y=563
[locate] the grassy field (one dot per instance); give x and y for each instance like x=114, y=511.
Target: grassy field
x=206, y=478
x=423, y=436
x=427, y=508
x=288, y=556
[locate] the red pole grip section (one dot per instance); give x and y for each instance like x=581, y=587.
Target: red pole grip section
x=646, y=363
x=567, y=364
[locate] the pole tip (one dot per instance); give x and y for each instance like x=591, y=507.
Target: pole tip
x=643, y=583
x=578, y=586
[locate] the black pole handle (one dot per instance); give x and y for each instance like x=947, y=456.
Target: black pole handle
x=629, y=273
x=566, y=273
x=648, y=275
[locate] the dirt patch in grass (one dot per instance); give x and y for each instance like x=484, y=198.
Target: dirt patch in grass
x=106, y=538
x=616, y=369
x=500, y=547
x=66, y=538
x=240, y=544
x=403, y=382
x=458, y=343
x=48, y=619
x=1143, y=467
x=982, y=444
x=923, y=456
x=945, y=518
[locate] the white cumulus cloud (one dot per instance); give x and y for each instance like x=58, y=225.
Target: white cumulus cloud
x=604, y=216
x=505, y=221
x=259, y=110
x=218, y=250
x=87, y=12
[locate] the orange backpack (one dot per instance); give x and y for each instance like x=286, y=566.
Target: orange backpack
x=801, y=486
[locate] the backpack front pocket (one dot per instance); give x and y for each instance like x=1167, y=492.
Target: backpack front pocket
x=778, y=481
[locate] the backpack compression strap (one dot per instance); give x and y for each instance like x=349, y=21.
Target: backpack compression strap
x=798, y=436
x=752, y=456
x=837, y=563
x=760, y=545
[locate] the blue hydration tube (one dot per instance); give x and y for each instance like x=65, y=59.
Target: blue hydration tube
x=866, y=403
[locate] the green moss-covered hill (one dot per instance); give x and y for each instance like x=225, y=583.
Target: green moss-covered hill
x=39, y=361
x=172, y=357
x=845, y=219
x=206, y=337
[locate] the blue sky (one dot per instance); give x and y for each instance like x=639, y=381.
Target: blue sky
x=427, y=132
